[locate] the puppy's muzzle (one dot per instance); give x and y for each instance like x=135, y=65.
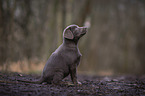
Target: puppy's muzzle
x=84, y=31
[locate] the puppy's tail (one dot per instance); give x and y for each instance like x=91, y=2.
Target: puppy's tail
x=40, y=81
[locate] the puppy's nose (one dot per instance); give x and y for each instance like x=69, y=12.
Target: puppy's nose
x=85, y=28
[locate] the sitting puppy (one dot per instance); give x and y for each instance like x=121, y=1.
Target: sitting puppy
x=65, y=59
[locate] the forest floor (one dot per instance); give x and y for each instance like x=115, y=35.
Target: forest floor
x=91, y=86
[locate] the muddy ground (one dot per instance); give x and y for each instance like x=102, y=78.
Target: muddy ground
x=91, y=86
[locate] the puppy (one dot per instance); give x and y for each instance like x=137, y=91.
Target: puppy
x=65, y=59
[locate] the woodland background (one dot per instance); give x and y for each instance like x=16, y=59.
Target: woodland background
x=30, y=30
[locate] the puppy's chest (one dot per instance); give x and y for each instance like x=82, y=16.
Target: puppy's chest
x=72, y=55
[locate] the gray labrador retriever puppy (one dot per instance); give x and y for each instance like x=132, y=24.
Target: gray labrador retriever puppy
x=65, y=59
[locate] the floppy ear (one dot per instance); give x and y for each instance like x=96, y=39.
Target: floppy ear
x=68, y=34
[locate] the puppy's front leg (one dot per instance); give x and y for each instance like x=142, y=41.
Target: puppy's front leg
x=73, y=75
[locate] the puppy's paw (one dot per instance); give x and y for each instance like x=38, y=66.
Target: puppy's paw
x=74, y=84
x=70, y=84
x=79, y=83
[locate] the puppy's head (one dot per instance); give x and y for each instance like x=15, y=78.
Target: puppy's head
x=74, y=32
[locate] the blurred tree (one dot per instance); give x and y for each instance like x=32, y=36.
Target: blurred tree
x=30, y=30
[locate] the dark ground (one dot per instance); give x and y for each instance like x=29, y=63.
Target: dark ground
x=91, y=86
